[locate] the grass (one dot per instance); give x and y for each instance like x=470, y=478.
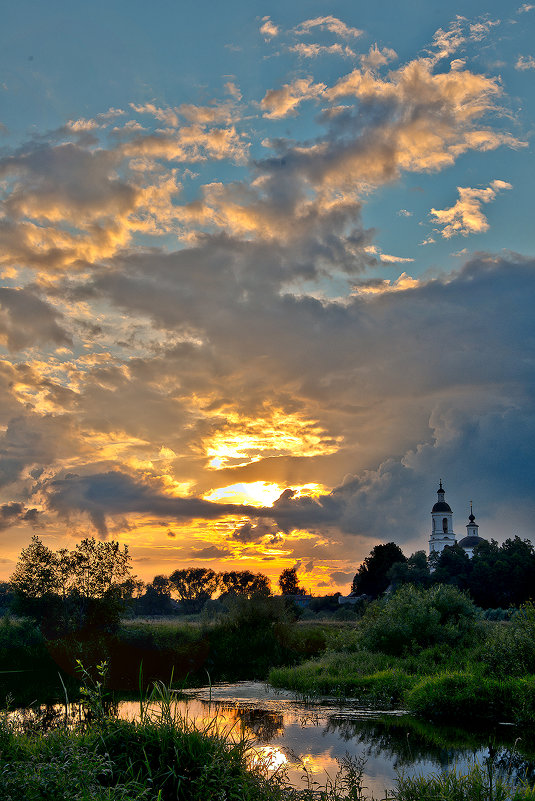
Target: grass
x=162, y=757
x=430, y=652
x=451, y=689
x=477, y=784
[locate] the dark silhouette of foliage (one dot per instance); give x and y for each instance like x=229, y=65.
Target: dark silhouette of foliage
x=194, y=586
x=454, y=567
x=289, y=583
x=503, y=575
x=156, y=599
x=413, y=571
x=65, y=591
x=245, y=583
x=372, y=577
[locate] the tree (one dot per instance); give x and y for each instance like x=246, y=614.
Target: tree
x=157, y=598
x=503, y=575
x=36, y=573
x=372, y=576
x=244, y=583
x=98, y=568
x=453, y=566
x=86, y=588
x=289, y=583
x=194, y=586
x=415, y=570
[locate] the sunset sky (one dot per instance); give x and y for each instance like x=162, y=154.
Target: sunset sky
x=267, y=274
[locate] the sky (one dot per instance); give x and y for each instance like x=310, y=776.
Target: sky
x=266, y=275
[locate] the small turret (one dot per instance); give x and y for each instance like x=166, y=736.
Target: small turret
x=472, y=538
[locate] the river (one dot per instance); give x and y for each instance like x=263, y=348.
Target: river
x=307, y=740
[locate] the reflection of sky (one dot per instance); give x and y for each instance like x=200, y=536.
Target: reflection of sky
x=306, y=741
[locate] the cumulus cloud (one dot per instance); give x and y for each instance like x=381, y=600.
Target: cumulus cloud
x=466, y=216
x=268, y=29
x=328, y=23
x=112, y=493
x=250, y=532
x=278, y=103
x=524, y=63
x=26, y=320
x=315, y=50
x=13, y=513
x=378, y=57
x=211, y=328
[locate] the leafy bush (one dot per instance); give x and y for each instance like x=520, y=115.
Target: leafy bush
x=415, y=618
x=510, y=648
x=455, y=696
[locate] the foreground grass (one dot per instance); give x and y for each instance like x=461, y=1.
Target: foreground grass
x=167, y=759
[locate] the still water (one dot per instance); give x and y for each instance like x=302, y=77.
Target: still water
x=307, y=740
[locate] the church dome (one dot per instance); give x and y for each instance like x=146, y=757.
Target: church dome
x=441, y=506
x=470, y=542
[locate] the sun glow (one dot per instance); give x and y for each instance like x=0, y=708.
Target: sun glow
x=244, y=440
x=255, y=493
x=260, y=493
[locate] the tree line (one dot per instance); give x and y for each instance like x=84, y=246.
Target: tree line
x=91, y=586
x=497, y=576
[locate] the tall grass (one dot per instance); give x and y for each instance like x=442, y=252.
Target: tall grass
x=479, y=783
x=162, y=756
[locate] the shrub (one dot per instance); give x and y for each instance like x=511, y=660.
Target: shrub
x=455, y=696
x=510, y=648
x=415, y=618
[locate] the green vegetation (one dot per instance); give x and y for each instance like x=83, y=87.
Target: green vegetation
x=162, y=756
x=497, y=576
x=80, y=591
x=431, y=652
x=477, y=784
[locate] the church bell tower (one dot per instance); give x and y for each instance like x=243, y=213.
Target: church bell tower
x=441, y=523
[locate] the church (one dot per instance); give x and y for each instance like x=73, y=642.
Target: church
x=442, y=534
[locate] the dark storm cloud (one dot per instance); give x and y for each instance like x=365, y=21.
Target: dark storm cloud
x=103, y=494
x=210, y=552
x=13, y=513
x=250, y=532
x=439, y=403
x=26, y=320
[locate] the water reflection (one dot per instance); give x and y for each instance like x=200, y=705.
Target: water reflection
x=308, y=741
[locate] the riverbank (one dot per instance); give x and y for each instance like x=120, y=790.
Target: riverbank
x=431, y=653
x=167, y=754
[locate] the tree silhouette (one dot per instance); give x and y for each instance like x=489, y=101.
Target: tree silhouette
x=289, y=583
x=245, y=583
x=86, y=588
x=194, y=586
x=372, y=576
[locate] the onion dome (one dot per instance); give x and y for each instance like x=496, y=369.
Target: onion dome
x=441, y=505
